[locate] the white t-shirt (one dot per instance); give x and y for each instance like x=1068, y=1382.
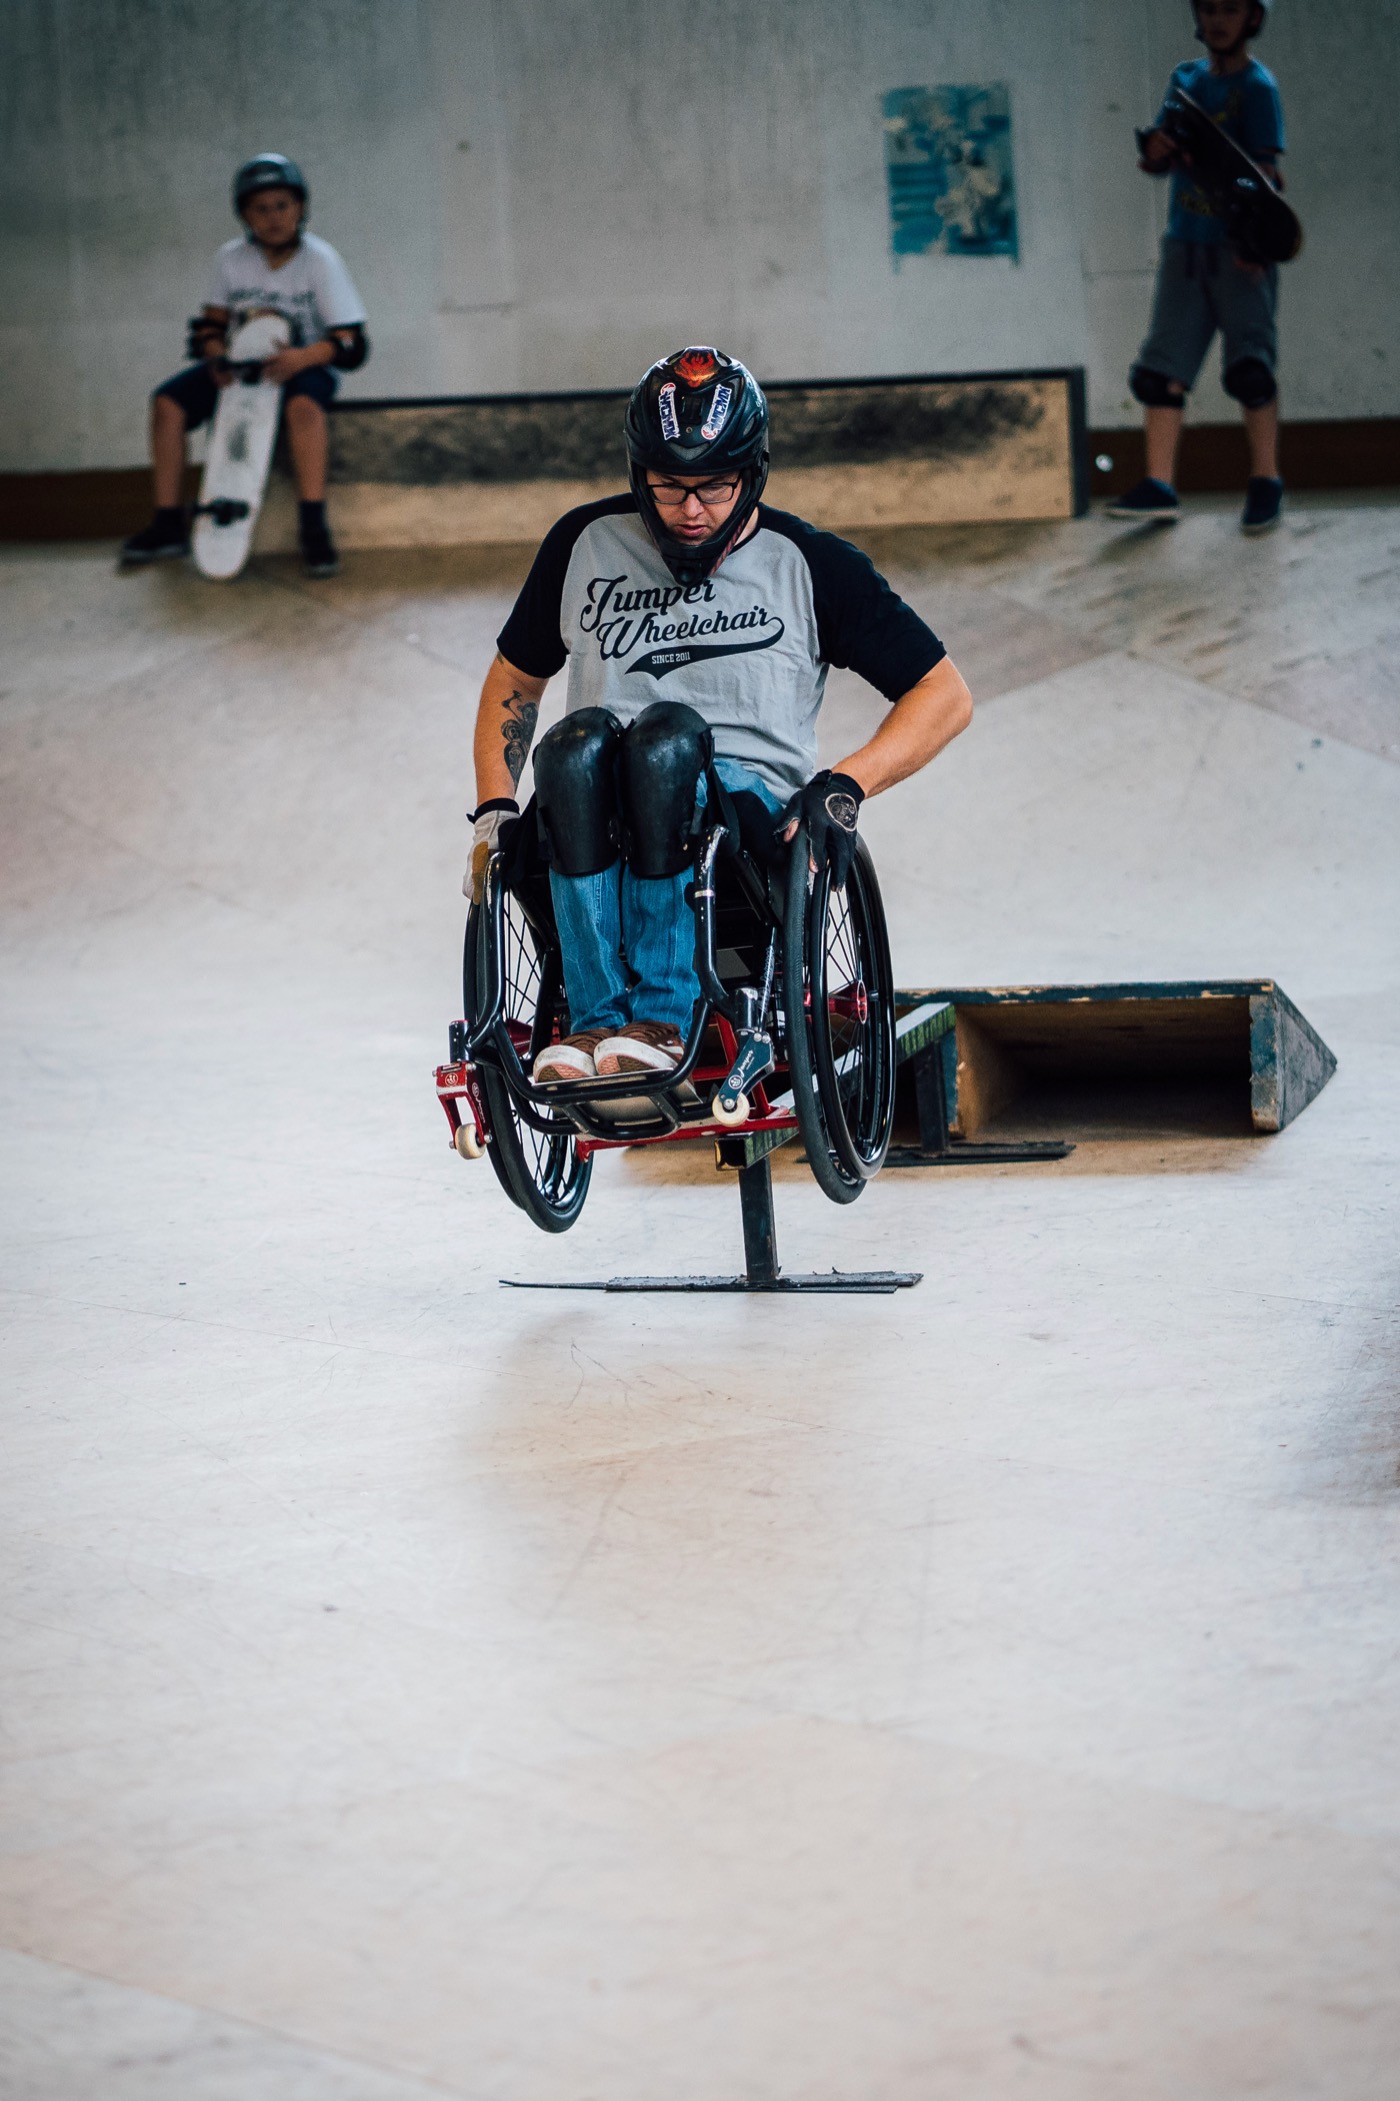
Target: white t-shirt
x=314, y=290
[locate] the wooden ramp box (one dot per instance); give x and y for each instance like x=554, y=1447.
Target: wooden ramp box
x=1036, y=1062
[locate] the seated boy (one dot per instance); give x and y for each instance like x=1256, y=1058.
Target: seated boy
x=1202, y=285
x=275, y=265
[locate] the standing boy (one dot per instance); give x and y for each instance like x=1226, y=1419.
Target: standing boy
x=1203, y=286
x=276, y=266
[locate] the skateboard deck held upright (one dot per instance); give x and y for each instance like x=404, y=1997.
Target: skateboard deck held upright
x=1259, y=226
x=240, y=449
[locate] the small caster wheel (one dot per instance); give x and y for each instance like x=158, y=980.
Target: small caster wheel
x=467, y=1142
x=722, y=1112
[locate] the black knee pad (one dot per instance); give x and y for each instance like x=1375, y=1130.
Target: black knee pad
x=576, y=791
x=664, y=753
x=1155, y=390
x=1251, y=383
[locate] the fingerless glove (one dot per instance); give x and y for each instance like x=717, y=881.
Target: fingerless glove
x=489, y=821
x=829, y=806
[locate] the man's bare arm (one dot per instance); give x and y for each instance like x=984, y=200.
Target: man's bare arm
x=918, y=726
x=505, y=726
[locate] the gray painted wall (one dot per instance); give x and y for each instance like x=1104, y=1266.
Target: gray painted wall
x=538, y=194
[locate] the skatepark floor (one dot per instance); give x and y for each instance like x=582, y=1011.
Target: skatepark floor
x=413, y=1687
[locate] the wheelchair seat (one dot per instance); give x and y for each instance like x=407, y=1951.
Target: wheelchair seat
x=796, y=981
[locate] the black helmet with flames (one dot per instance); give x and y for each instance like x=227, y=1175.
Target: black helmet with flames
x=698, y=412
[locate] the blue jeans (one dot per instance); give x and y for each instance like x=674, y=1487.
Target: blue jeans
x=628, y=941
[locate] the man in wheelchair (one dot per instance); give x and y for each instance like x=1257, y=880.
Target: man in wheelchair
x=698, y=626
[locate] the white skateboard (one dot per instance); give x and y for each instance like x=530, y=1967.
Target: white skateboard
x=240, y=449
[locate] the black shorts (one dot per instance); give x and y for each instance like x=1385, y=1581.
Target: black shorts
x=195, y=392
x=1199, y=290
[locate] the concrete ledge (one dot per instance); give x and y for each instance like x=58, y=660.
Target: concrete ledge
x=966, y=449
x=925, y=450
x=903, y=492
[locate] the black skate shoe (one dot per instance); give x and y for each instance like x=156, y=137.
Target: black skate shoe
x=1263, y=501
x=1151, y=502
x=318, y=555
x=165, y=539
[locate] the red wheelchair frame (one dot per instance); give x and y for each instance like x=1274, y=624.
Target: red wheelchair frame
x=748, y=1077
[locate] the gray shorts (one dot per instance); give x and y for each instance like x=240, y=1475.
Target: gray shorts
x=1201, y=289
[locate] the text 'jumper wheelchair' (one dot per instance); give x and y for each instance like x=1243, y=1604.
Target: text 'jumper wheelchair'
x=793, y=1035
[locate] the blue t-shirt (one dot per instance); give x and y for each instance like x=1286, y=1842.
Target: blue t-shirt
x=1248, y=107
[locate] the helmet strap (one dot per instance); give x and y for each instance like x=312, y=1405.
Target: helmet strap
x=274, y=247
x=695, y=562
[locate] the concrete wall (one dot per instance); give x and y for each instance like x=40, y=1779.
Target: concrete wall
x=539, y=194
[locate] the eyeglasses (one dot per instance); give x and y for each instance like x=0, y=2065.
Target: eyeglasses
x=670, y=495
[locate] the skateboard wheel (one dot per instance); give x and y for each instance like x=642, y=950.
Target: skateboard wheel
x=467, y=1143
x=722, y=1113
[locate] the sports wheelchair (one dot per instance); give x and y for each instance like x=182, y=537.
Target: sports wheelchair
x=793, y=1036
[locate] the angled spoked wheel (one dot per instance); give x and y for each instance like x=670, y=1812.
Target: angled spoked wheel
x=539, y=1169
x=838, y=1001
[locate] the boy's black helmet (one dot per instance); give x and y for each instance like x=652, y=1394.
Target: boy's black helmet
x=269, y=171
x=697, y=412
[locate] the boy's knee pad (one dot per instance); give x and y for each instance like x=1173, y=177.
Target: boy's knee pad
x=576, y=791
x=1251, y=382
x=1155, y=390
x=664, y=753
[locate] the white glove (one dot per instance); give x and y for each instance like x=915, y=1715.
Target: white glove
x=488, y=822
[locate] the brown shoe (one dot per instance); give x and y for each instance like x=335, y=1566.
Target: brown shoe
x=643, y=1046
x=571, y=1058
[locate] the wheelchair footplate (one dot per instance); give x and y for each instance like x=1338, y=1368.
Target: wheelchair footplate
x=639, y=1108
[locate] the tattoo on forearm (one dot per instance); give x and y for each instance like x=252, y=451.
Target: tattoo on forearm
x=518, y=729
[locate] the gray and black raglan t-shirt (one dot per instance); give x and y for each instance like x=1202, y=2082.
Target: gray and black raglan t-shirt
x=749, y=649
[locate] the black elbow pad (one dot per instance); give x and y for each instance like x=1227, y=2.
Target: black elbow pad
x=202, y=335
x=349, y=347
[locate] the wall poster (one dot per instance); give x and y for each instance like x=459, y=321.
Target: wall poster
x=948, y=163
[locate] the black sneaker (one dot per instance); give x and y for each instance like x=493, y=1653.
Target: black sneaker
x=165, y=539
x=1263, y=501
x=1151, y=500
x=318, y=555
